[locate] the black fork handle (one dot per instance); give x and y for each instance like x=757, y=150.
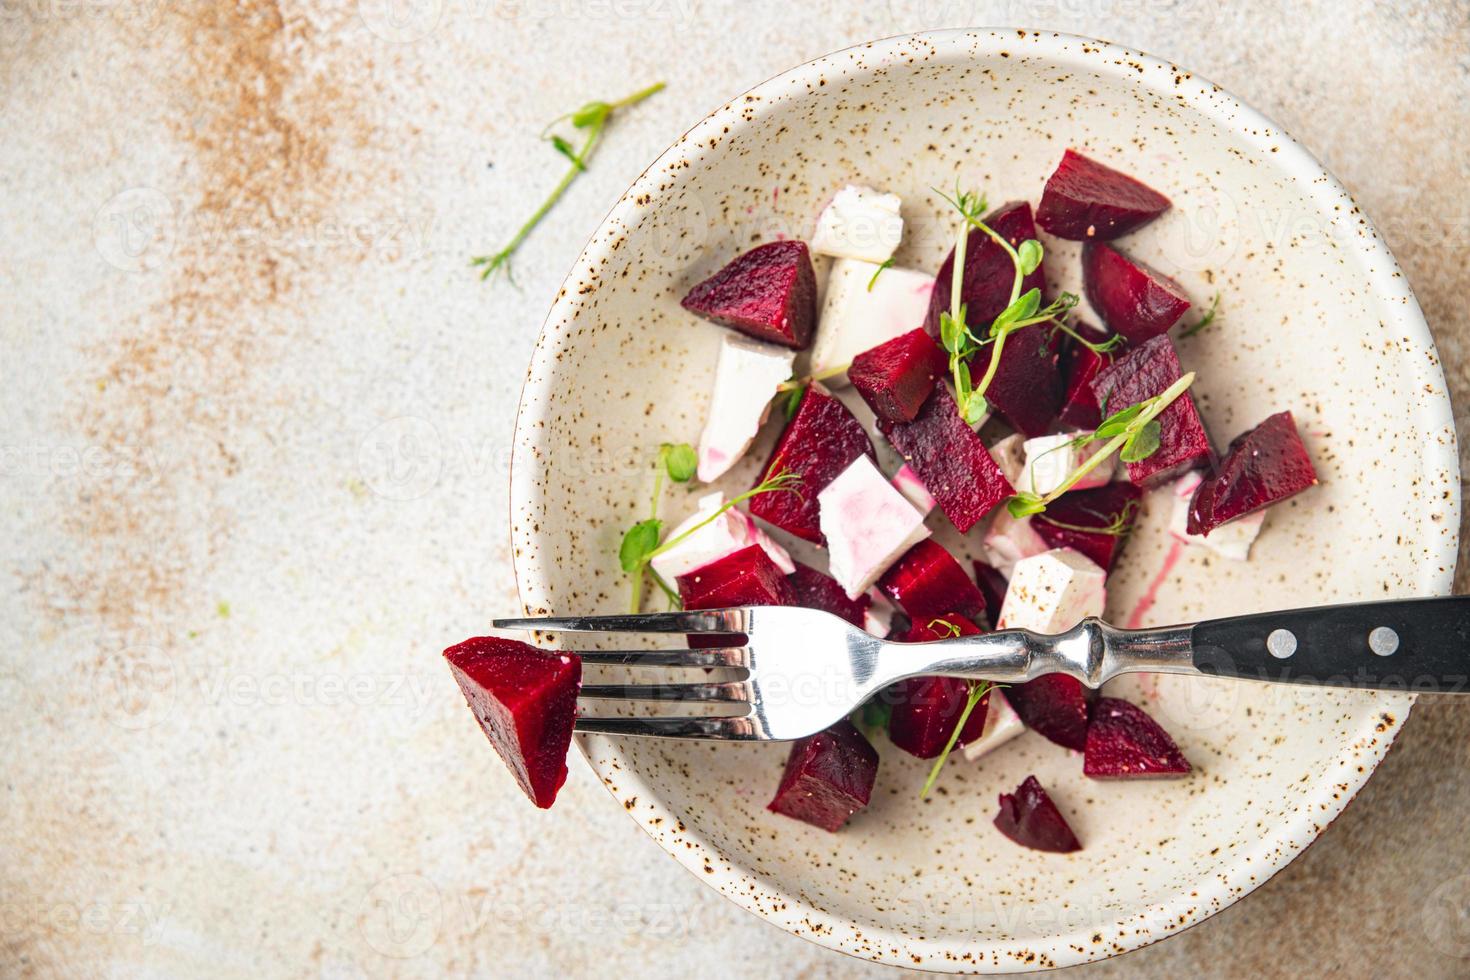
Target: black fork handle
x=1417, y=645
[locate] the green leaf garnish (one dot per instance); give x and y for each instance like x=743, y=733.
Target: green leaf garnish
x=592, y=117
x=877, y=272
x=1205, y=320
x=793, y=402
x=639, y=543
x=680, y=461
x=1135, y=432
x=1142, y=444
x=978, y=690
x=1029, y=254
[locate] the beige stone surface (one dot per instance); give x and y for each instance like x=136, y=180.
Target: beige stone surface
x=255, y=414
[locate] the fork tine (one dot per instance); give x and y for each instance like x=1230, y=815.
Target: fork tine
x=718, y=657
x=703, y=621
x=740, y=729
x=723, y=691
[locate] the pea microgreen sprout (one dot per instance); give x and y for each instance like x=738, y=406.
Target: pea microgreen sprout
x=1118, y=526
x=879, y=271
x=641, y=545
x=1205, y=320
x=1105, y=347
x=978, y=690
x=591, y=119
x=1132, y=432
x=1022, y=310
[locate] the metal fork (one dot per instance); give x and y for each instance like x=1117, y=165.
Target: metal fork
x=806, y=669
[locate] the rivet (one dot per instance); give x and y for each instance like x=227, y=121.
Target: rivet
x=1383, y=641
x=1281, y=643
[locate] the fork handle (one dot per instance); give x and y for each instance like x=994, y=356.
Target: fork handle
x=1420, y=645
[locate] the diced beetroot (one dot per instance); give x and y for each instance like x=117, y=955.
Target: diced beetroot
x=1079, y=366
x=828, y=777
x=992, y=586
x=1085, y=200
x=1142, y=373
x=746, y=578
x=1123, y=742
x=1262, y=467
x=1057, y=706
x=1027, y=388
x=926, y=709
x=928, y=582
x=1031, y=819
x=769, y=293
x=525, y=700
x=950, y=459
x=897, y=376
x=818, y=444
x=1110, y=508
x=812, y=589
x=1133, y=299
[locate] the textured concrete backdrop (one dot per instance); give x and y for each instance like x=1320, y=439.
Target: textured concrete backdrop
x=254, y=422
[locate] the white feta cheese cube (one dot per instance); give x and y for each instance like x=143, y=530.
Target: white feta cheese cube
x=878, y=617
x=860, y=223
x=855, y=319
x=1051, y=459
x=725, y=535
x=1052, y=592
x=1009, y=540
x=868, y=525
x=907, y=482
x=1232, y=540
x=745, y=381
x=1010, y=455
x=1001, y=725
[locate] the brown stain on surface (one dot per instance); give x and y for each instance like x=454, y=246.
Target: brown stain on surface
x=257, y=110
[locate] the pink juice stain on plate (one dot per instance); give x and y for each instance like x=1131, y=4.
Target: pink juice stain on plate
x=1151, y=595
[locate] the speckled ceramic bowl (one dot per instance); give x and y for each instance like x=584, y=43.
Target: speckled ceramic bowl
x=1316, y=317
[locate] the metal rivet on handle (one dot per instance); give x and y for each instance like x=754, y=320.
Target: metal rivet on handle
x=1383, y=641
x=1281, y=643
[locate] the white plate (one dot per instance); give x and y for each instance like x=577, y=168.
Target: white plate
x=1316, y=318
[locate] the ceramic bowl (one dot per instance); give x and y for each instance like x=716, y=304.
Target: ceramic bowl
x=1315, y=317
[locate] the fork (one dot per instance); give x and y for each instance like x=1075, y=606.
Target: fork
x=806, y=669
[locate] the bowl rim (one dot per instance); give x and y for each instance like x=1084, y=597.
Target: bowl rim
x=1190, y=904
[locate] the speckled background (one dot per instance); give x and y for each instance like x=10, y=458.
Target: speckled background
x=256, y=422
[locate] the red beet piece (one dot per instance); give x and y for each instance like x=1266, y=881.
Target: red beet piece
x=1125, y=743
x=950, y=459
x=1144, y=372
x=1027, y=388
x=746, y=578
x=818, y=444
x=769, y=293
x=993, y=586
x=1080, y=365
x=525, y=700
x=926, y=709
x=1110, y=508
x=1055, y=705
x=1085, y=200
x=812, y=589
x=928, y=582
x=1031, y=819
x=1262, y=467
x=896, y=377
x=1133, y=299
x=828, y=777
